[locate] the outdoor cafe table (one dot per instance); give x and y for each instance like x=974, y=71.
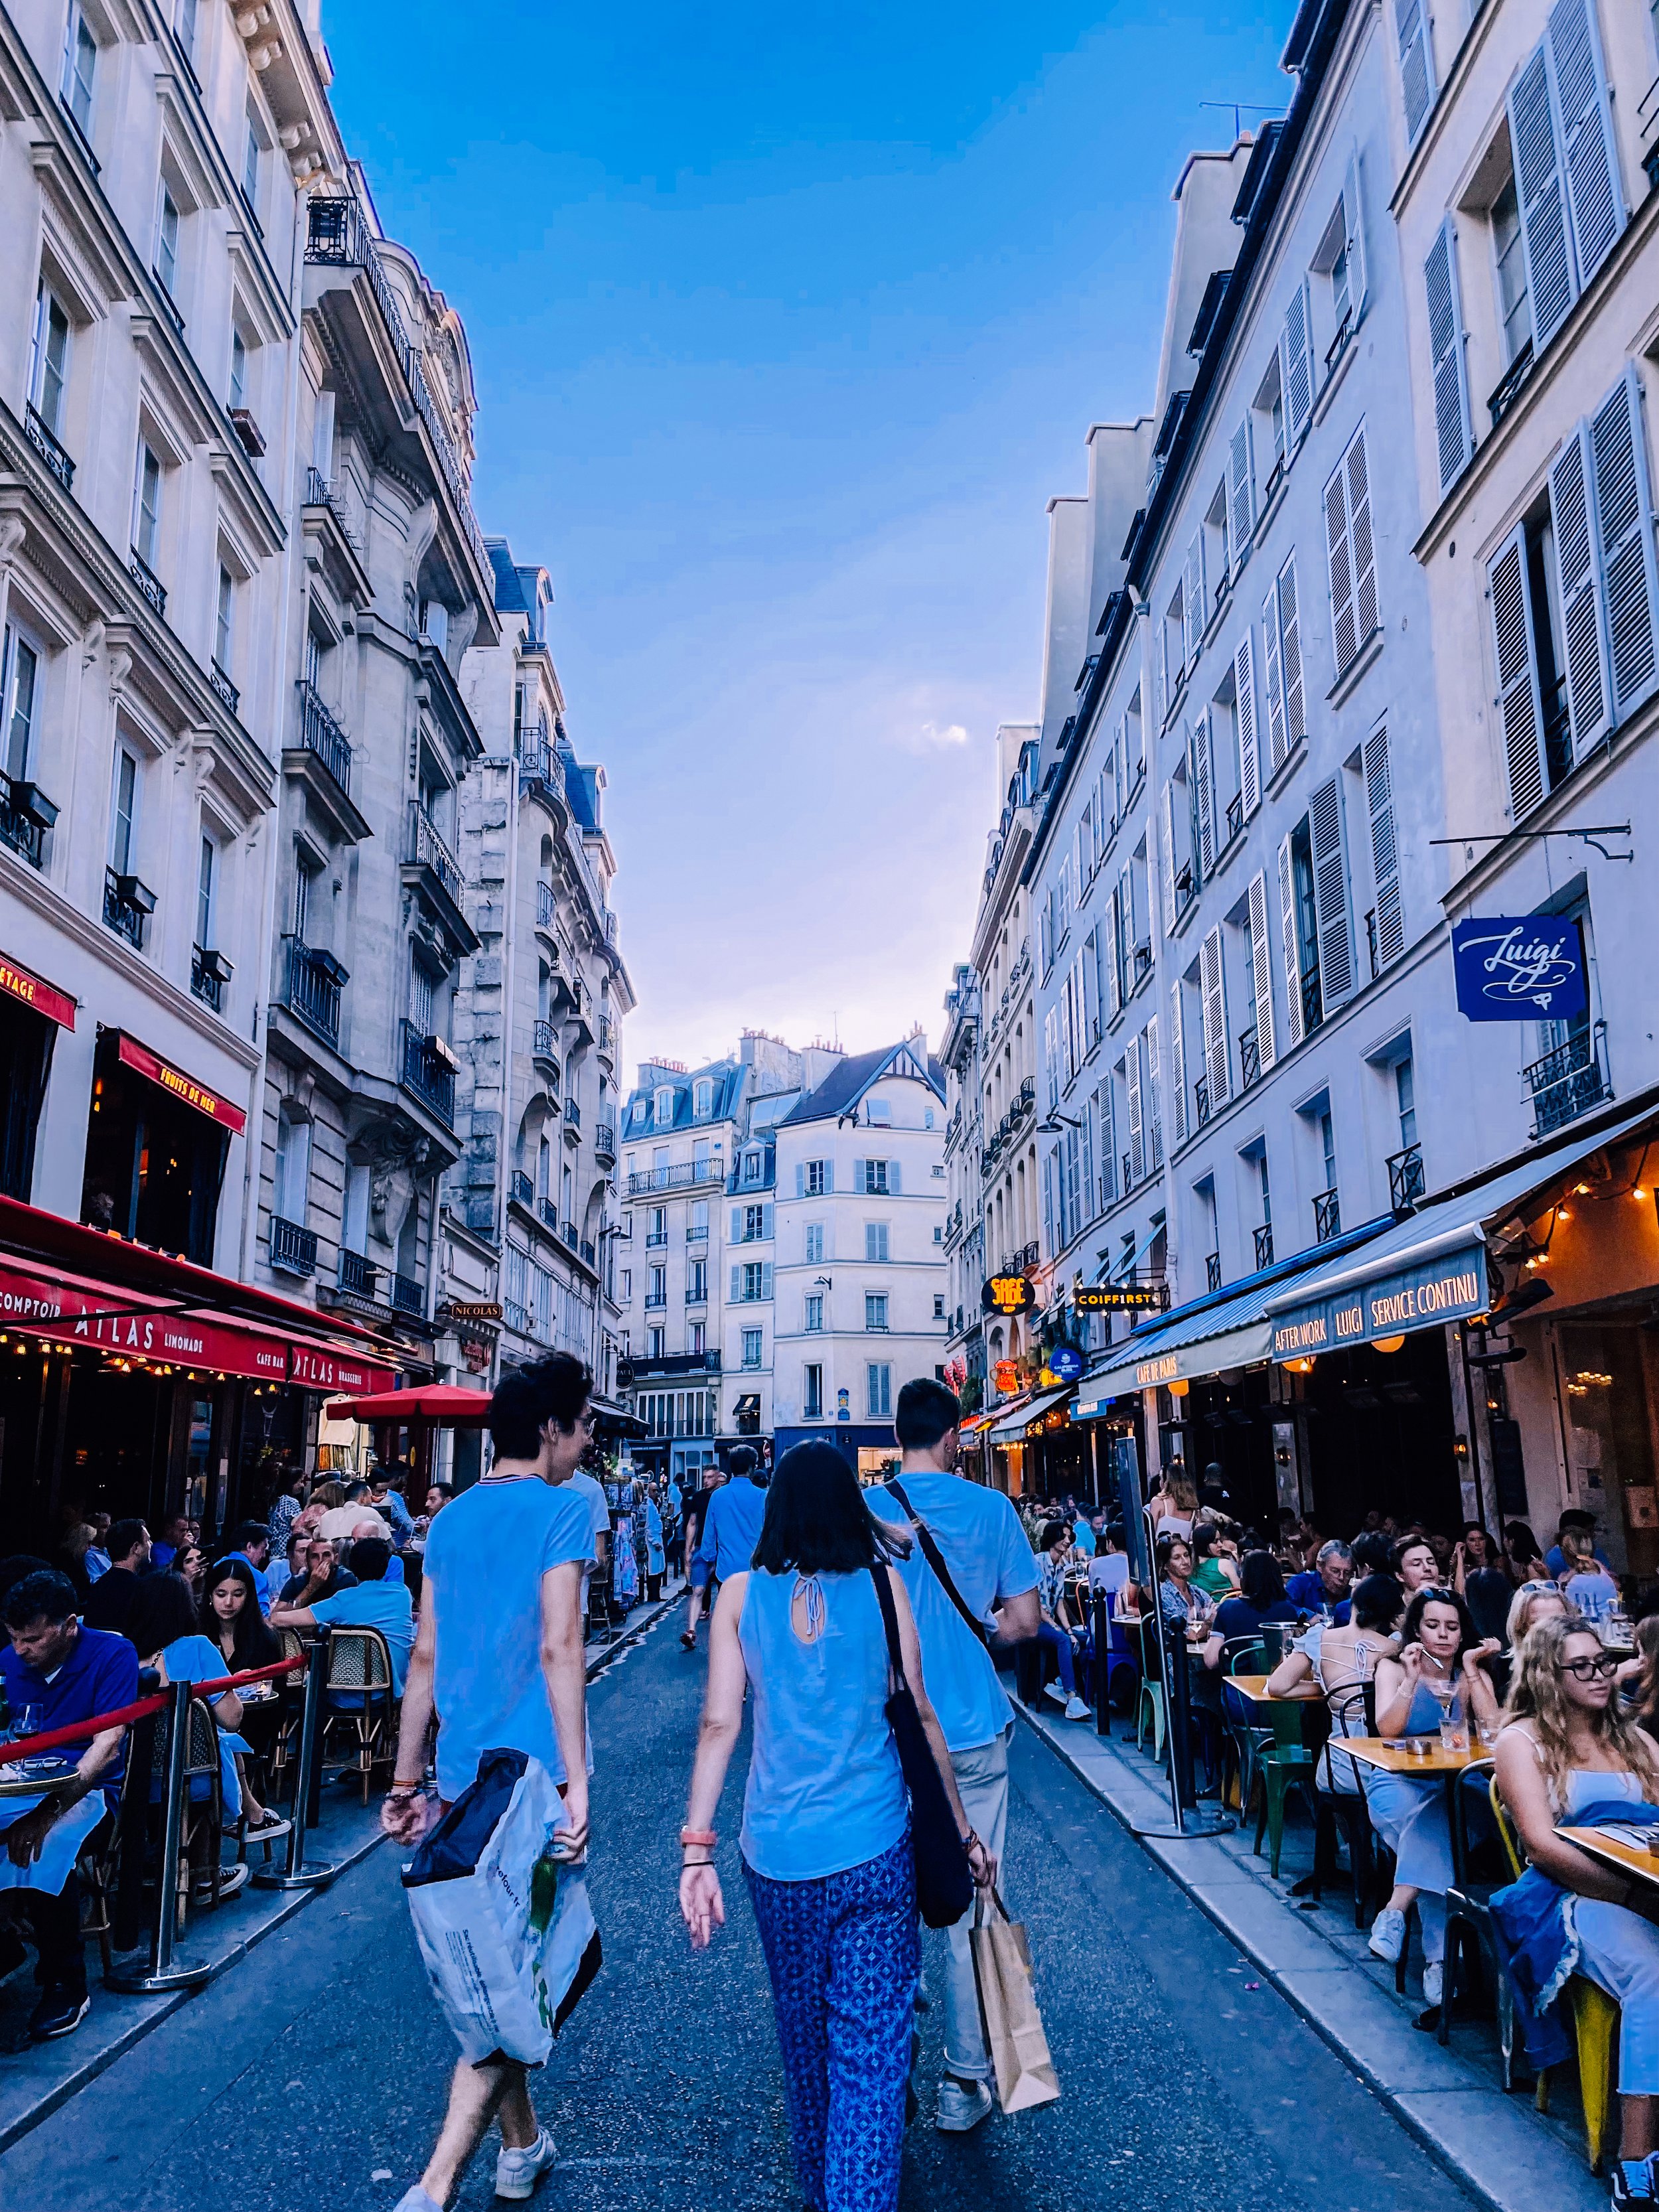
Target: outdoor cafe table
x=1614, y=1852
x=1389, y=1756
x=1254, y=1687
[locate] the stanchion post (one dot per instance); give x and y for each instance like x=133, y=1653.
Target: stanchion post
x=164, y=1974
x=1101, y=1618
x=302, y=1873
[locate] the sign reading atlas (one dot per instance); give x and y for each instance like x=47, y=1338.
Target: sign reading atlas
x=1528, y=969
x=1008, y=1294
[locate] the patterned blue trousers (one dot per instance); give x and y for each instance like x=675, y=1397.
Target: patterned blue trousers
x=843, y=1958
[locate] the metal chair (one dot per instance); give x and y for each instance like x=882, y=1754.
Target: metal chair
x=1284, y=1764
x=1468, y=1915
x=1247, y=1737
x=202, y=1814
x=360, y=1696
x=290, y=1689
x=1147, y=1646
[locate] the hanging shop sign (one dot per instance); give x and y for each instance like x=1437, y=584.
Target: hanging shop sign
x=180, y=1085
x=1121, y=1298
x=1448, y=1288
x=17, y=983
x=1008, y=1294
x=1006, y=1375
x=1529, y=968
x=1066, y=1364
x=471, y=1310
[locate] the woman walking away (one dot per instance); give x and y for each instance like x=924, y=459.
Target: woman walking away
x=826, y=1823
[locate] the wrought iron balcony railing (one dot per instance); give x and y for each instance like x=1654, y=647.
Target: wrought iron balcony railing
x=1328, y=1216
x=1250, y=1059
x=1212, y=1271
x=428, y=1073
x=428, y=848
x=1405, y=1180
x=541, y=1041
x=47, y=445
x=521, y=1190
x=311, y=988
x=1201, y=1101
x=321, y=734
x=128, y=906
x=293, y=1249
x=1313, y=1009
x=1264, y=1245
x=26, y=815
x=407, y=1297
x=147, y=582
x=356, y=1274
x=1568, y=1082
x=209, y=973
x=229, y=697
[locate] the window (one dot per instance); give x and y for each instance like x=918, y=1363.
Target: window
x=696, y=1337
x=185, y=25
x=751, y=1280
x=290, y=1192
x=875, y=1178
x=1509, y=251
x=752, y=1339
x=123, y=820
x=811, y=1396
x=304, y=877
x=703, y=1160
x=658, y=1233
x=238, y=370
x=939, y=1305
x=49, y=359
x=166, y=239
x=875, y=1309
x=751, y=1167
x=878, y=1392
x=250, y=165
x=655, y=1340
x=703, y=1099
x=938, y=1233
x=79, y=66
x=1571, y=203
x=656, y=1291
x=224, y=631
x=1328, y=1149
x=1405, y=1092
x=1351, y=553
x=626, y=1285
x=814, y=1244
x=664, y=1106
x=927, y=1117
x=696, y=1222
x=206, y=887
x=875, y=1240
x=420, y=997
x=20, y=687
x=754, y=1223
x=1281, y=641
x=814, y=1319
x=146, y=507
x=815, y=1178
x=879, y=1113
x=696, y=1282
x=1267, y=431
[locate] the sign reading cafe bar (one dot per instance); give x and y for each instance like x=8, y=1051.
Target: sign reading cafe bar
x=1450, y=1287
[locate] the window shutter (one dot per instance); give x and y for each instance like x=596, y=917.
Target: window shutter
x=1343, y=639
x=1290, y=654
x=1288, y=940
x=1385, y=857
x=1354, y=224
x=1051, y=1053
x=1177, y=1065
x=1167, y=853
x=1154, y=1103
x=828, y=1175
x=1624, y=520
x=1215, y=1017
x=1108, y=1147
x=1331, y=894
x=1551, y=288
x=1091, y=999
x=1192, y=601
x=800, y=1179
x=894, y=1185
x=1596, y=204
x=1362, y=544
x=1241, y=490
x=1131, y=1072
x=1278, y=751
x=1203, y=770
x=737, y=1224
x=766, y=1278
x=1249, y=749
x=766, y=1222
x=1111, y=955
x=1126, y=917
x=1298, y=376
x=1261, y=974
x=1575, y=581
x=736, y=1285
x=1453, y=431
x=1510, y=590
x=1048, y=1199
x=1086, y=1139
x=1416, y=65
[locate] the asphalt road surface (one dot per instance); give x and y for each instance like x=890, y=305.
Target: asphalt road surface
x=313, y=2074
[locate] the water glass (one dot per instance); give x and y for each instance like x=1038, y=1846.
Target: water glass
x=1454, y=1732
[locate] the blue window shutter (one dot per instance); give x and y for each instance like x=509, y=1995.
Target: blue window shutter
x=766, y=1221
x=801, y=1178
x=892, y=1177
x=737, y=1283
x=766, y=1278
x=861, y=1175
x=828, y=1175
x=737, y=1224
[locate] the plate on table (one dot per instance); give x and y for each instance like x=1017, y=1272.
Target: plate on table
x=40, y=1772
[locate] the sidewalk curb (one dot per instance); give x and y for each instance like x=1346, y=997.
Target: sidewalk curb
x=1491, y=2144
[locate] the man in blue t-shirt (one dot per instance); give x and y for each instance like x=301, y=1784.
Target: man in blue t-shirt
x=60, y=1673
x=732, y=1527
x=371, y=1602
x=1324, y=1584
x=988, y=1557
x=498, y=1659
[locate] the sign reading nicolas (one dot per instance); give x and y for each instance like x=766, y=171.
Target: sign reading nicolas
x=1527, y=970
x=1008, y=1294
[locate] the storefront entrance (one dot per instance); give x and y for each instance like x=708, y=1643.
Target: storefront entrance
x=1607, y=1382
x=1378, y=1433
x=154, y=1162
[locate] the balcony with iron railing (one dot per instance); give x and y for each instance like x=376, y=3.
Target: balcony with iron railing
x=1568, y=1081
x=572, y=1122
x=1508, y=384
x=312, y=983
x=322, y=736
x=605, y=1142
x=656, y=1239
x=210, y=974
x=357, y=1276
x=1250, y=1059
x=426, y=847
x=26, y=815
x=1185, y=889
x=1264, y=1245
x=521, y=1190
x=407, y=1296
x=1212, y=1271
x=1235, y=816
x=547, y=1213
x=47, y=444
x=147, y=582
x=1201, y=1102
x=1313, y=1009
x=542, y=1047
x=1406, y=1184
x=1143, y=963
x=607, y=1035
x=656, y=1301
x=1328, y=1216
x=675, y=1178
x=427, y=1072
x=293, y=1249
x=128, y=906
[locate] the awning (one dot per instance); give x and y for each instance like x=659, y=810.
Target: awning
x=974, y=1422
x=431, y=1405
x=1227, y=1328
x=1010, y=1431
x=177, y=1085
x=17, y=982
x=749, y=1403
x=1428, y=1270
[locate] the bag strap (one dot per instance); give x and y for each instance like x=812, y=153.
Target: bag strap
x=889, y=1622
x=935, y=1558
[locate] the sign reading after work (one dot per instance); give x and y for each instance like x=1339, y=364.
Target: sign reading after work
x=1449, y=1288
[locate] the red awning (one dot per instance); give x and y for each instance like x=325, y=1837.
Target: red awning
x=46, y=999
x=436, y=1405
x=178, y=1084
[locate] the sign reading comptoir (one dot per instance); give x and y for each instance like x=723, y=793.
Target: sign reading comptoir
x=1447, y=1289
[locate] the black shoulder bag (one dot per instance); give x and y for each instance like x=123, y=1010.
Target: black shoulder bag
x=944, y=1880
x=935, y=1558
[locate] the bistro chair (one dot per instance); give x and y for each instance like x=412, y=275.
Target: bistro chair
x=285, y=1747
x=203, y=1813
x=98, y=1863
x=1282, y=1764
x=361, y=1698
x=1595, y=2022
x=1351, y=1708
x=1247, y=1737
x=1472, y=1934
x=1147, y=1646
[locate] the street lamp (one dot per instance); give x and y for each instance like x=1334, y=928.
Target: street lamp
x=1051, y=1125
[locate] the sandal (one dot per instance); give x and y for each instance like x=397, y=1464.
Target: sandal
x=688, y=1640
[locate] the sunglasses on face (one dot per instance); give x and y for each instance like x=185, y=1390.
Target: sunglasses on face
x=1589, y=1670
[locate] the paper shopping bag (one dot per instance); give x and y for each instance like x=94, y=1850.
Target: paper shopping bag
x=1008, y=2007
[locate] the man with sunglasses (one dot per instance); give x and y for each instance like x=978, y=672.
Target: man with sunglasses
x=499, y=1659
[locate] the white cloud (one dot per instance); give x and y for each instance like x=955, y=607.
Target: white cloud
x=942, y=740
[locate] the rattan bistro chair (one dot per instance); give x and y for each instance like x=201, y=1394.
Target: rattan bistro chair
x=361, y=1700
x=202, y=1816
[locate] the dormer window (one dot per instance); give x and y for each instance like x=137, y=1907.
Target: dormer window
x=664, y=1106
x=703, y=1099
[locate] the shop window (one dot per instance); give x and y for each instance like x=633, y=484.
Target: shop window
x=813, y=1395
x=153, y=1165
x=25, y=1043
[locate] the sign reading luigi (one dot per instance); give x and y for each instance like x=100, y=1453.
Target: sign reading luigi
x=1448, y=1287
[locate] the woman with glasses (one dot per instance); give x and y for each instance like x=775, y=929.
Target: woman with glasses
x=1568, y=1746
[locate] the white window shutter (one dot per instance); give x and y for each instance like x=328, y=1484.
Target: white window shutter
x=1126, y=917
x=737, y=1224
x=1202, y=756
x=1416, y=64
x=1216, y=1057
x=1578, y=599
x=1354, y=224
x=861, y=1177
x=1623, y=520
x=828, y=1175
x=766, y=1278
x=1110, y=955
x=1297, y=371
x=1192, y=600
x=1051, y=1053
x=1261, y=974
x=1154, y=1082
x=1336, y=976
x=801, y=1178
x=1177, y=1065
x=1086, y=1139
x=1092, y=990
x=766, y=1221
x=1289, y=944
x=1166, y=844
x=1137, y=1150
x=1551, y=284
x=1290, y=654
x=1595, y=203
x=1278, y=750
x=1241, y=490
x=894, y=1179
x=1344, y=640
x=1250, y=745
x=1108, y=1146
x=1362, y=542
x=737, y=1284
x=1520, y=707
x=1385, y=856
x=1453, y=429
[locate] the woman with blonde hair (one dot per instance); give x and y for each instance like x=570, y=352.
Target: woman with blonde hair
x=1569, y=1753
x=1172, y=1511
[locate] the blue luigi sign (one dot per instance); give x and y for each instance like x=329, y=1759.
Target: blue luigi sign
x=1526, y=969
x=1066, y=1363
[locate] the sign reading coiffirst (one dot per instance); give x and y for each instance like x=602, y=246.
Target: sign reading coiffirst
x=1448, y=1289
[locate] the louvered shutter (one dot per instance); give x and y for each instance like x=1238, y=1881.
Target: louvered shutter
x=1290, y=654
x=1068, y=1026
x=1298, y=369
x=1241, y=481
x=1331, y=895
x=1192, y=600
x=828, y=1175
x=1167, y=845
x=1343, y=638
x=1509, y=586
x=1051, y=1055
x=801, y=1178
x=736, y=1285
x=1277, y=748
x=1623, y=520
x=1416, y=65
x=1353, y=225
x=1249, y=746
x=1137, y=1151
x=1288, y=940
x=1595, y=204
x=1261, y=974
x=1177, y=1065
x=766, y=1221
x=894, y=1179
x=1215, y=1017
x=1154, y=1100
x=766, y=1278
x=737, y=1224
x=1108, y=1146
x=1385, y=859
x=1203, y=775
x=1362, y=543
x=1576, y=596
x=861, y=1177
x=1092, y=990
x=1539, y=191
x=1086, y=1139
x=1126, y=922
x=1110, y=956
x=1454, y=430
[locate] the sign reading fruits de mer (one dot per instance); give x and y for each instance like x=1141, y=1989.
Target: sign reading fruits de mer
x=1449, y=1288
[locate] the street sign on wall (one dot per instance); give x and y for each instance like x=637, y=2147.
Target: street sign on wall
x=1529, y=968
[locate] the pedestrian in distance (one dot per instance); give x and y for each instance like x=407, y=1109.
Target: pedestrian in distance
x=498, y=1660
x=970, y=1574
x=698, y=1572
x=732, y=1527
x=825, y=1840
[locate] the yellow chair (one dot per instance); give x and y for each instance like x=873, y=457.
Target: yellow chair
x=1594, y=2024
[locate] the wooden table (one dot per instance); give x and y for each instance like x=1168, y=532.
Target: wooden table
x=1254, y=1687
x=36, y=1785
x=1388, y=1755
x=1643, y=1864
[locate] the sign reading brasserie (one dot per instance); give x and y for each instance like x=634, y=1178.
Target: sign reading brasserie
x=1008, y=1294
x=1447, y=1289
x=1528, y=969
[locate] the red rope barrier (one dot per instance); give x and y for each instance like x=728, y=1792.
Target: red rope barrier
x=83, y=1731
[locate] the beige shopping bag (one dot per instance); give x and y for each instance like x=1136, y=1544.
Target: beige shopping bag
x=1007, y=2004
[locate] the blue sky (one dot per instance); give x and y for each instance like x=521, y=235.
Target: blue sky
x=785, y=324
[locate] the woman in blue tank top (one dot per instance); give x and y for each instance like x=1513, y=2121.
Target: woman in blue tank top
x=826, y=1820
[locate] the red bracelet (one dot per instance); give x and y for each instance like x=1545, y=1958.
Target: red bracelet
x=704, y=1836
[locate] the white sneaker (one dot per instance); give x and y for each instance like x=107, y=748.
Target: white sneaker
x=416, y=2200
x=957, y=2110
x=1076, y=1709
x=231, y=1879
x=517, y=2171
x=1053, y=1690
x=1389, y=1935
x=1434, y=1981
